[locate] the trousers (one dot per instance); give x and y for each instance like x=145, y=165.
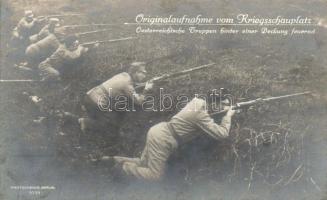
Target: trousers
x=160, y=144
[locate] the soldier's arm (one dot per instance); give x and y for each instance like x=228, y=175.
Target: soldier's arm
x=58, y=54
x=20, y=26
x=43, y=33
x=29, y=25
x=72, y=55
x=208, y=125
x=137, y=98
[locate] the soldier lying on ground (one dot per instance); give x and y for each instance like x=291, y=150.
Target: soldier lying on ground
x=39, y=51
x=45, y=31
x=46, y=114
x=26, y=27
x=164, y=138
x=66, y=53
x=121, y=85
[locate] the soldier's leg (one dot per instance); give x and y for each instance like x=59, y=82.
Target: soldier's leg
x=90, y=122
x=152, y=172
x=49, y=74
x=87, y=124
x=142, y=161
x=153, y=159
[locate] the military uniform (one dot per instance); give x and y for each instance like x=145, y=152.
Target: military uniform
x=100, y=118
x=45, y=31
x=164, y=138
x=25, y=29
x=51, y=67
x=39, y=51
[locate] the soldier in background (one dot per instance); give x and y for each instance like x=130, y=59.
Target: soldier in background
x=120, y=85
x=39, y=51
x=45, y=31
x=26, y=27
x=66, y=53
x=164, y=138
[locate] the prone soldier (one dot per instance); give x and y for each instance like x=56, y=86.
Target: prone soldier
x=120, y=85
x=25, y=28
x=39, y=51
x=193, y=120
x=164, y=138
x=45, y=31
x=65, y=54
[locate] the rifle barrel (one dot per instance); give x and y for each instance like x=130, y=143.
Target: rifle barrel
x=18, y=80
x=112, y=40
x=264, y=100
x=61, y=15
x=90, y=32
x=286, y=96
x=166, y=76
x=192, y=69
x=87, y=25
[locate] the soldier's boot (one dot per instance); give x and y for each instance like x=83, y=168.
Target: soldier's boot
x=88, y=124
x=39, y=120
x=66, y=116
x=83, y=124
x=33, y=98
x=23, y=66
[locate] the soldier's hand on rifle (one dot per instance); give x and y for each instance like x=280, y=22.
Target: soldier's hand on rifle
x=82, y=49
x=230, y=112
x=148, y=85
x=85, y=49
x=155, y=79
x=96, y=45
x=41, y=19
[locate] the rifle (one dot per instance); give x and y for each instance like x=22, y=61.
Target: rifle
x=259, y=101
x=167, y=76
x=105, y=41
x=59, y=15
x=90, y=32
x=19, y=80
x=87, y=25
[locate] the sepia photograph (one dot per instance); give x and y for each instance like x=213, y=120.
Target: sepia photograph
x=163, y=100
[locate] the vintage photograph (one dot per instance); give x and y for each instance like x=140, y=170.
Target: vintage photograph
x=163, y=100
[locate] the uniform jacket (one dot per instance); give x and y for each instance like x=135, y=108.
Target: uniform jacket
x=194, y=120
x=61, y=57
x=43, y=48
x=119, y=85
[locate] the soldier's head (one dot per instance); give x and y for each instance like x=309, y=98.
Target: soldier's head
x=71, y=42
x=219, y=98
x=137, y=71
x=53, y=22
x=29, y=16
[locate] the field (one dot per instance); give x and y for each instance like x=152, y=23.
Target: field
x=275, y=151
